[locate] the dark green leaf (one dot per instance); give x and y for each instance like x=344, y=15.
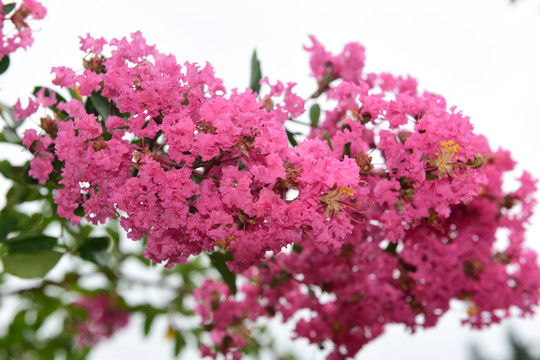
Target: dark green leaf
x=196, y=179
x=219, y=262
x=180, y=343
x=347, y=149
x=7, y=8
x=327, y=138
x=79, y=211
x=290, y=137
x=101, y=104
x=315, y=114
x=4, y=64
x=31, y=265
x=6, y=169
x=20, y=193
x=95, y=250
x=86, y=230
x=149, y=319
x=8, y=221
x=297, y=248
x=256, y=73
x=31, y=244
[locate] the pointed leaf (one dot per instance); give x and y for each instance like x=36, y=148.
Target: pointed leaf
x=101, y=105
x=6, y=169
x=4, y=64
x=347, y=149
x=10, y=136
x=95, y=250
x=31, y=244
x=179, y=344
x=290, y=137
x=31, y=265
x=7, y=8
x=256, y=73
x=327, y=138
x=315, y=114
x=219, y=262
x=149, y=319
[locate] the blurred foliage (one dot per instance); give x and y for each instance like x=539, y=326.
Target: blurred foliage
x=519, y=350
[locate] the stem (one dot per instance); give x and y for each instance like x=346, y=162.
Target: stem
x=301, y=123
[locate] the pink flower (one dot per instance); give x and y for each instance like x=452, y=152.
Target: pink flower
x=105, y=316
x=21, y=113
x=90, y=44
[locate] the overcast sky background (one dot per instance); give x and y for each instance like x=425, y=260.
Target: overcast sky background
x=482, y=55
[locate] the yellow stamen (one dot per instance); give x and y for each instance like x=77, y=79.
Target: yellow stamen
x=78, y=93
x=445, y=159
x=171, y=333
x=450, y=145
x=348, y=190
x=333, y=199
x=225, y=243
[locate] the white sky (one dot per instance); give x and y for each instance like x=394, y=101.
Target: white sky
x=482, y=55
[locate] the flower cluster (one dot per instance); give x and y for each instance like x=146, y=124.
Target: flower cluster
x=105, y=316
x=392, y=204
x=436, y=204
x=186, y=167
x=18, y=33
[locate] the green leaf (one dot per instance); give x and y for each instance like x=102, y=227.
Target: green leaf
x=347, y=149
x=20, y=193
x=327, y=138
x=31, y=244
x=73, y=93
x=113, y=233
x=10, y=136
x=95, y=250
x=179, y=344
x=31, y=265
x=315, y=114
x=6, y=169
x=9, y=111
x=196, y=179
x=219, y=262
x=4, y=64
x=149, y=319
x=101, y=104
x=290, y=137
x=7, y=8
x=256, y=73
x=8, y=221
x=86, y=230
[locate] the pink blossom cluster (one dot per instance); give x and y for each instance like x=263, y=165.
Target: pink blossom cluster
x=392, y=205
x=186, y=167
x=436, y=204
x=18, y=34
x=105, y=316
